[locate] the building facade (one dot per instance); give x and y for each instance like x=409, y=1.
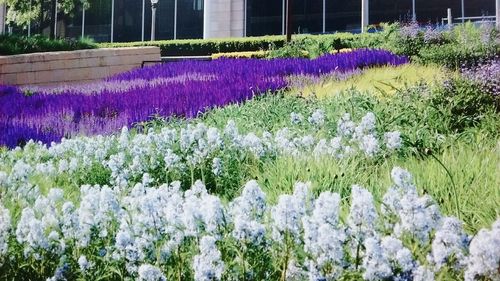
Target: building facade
x=130, y=20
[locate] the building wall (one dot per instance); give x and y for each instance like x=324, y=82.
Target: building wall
x=226, y=18
x=223, y=18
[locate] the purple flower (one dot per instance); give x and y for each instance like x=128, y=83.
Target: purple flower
x=183, y=89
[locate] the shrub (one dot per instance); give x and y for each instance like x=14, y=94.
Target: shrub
x=14, y=44
x=199, y=47
x=465, y=101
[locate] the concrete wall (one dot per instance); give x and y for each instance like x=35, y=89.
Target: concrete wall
x=224, y=18
x=72, y=67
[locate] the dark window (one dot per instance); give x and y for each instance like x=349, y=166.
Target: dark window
x=189, y=19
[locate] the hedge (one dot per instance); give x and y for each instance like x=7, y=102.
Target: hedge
x=14, y=44
x=200, y=47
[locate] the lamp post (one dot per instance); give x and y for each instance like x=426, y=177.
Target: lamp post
x=413, y=11
x=154, y=4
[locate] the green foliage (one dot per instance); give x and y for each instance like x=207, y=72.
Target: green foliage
x=465, y=103
x=463, y=44
x=14, y=44
x=441, y=133
x=21, y=12
x=199, y=47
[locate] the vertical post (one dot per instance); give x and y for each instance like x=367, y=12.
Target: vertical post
x=283, y=18
x=29, y=21
x=175, y=19
x=55, y=20
x=463, y=10
x=83, y=21
x=365, y=10
x=245, y=14
x=497, y=8
x=207, y=19
x=143, y=19
x=153, y=21
x=2, y=18
x=450, y=18
x=289, y=19
x=413, y=11
x=324, y=16
x=112, y=21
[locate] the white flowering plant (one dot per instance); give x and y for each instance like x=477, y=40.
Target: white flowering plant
x=163, y=233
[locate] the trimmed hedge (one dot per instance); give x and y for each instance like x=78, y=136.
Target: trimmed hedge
x=15, y=44
x=199, y=47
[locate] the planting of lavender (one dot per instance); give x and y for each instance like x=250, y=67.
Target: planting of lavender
x=262, y=169
x=183, y=89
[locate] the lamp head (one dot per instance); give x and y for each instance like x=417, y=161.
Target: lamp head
x=154, y=2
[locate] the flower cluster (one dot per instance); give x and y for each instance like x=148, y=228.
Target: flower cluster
x=158, y=233
x=176, y=89
x=487, y=75
x=175, y=154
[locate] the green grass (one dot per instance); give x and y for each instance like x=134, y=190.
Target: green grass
x=470, y=190
x=380, y=81
x=458, y=168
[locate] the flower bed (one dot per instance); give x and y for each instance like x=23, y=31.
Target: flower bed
x=178, y=89
x=162, y=233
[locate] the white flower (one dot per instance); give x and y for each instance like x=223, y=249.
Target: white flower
x=84, y=264
x=254, y=144
x=217, y=166
x=323, y=238
x=345, y=127
x=171, y=159
x=375, y=263
x=423, y=273
x=248, y=212
x=5, y=226
x=484, y=256
x=449, y=241
x=419, y=216
x=317, y=118
x=369, y=145
x=367, y=123
x=393, y=140
x=403, y=179
x=362, y=215
x=397, y=254
x=208, y=265
x=296, y=118
x=149, y=272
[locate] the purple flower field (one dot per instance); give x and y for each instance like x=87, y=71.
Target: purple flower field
x=182, y=89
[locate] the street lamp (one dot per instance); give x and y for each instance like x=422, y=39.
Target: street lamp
x=413, y=11
x=154, y=3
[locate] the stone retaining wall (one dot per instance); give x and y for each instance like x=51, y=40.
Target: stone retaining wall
x=72, y=67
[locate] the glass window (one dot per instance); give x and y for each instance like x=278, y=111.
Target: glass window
x=128, y=20
x=189, y=19
x=264, y=17
x=164, y=19
x=98, y=20
x=343, y=15
x=307, y=16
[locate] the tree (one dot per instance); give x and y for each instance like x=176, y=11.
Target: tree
x=22, y=12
